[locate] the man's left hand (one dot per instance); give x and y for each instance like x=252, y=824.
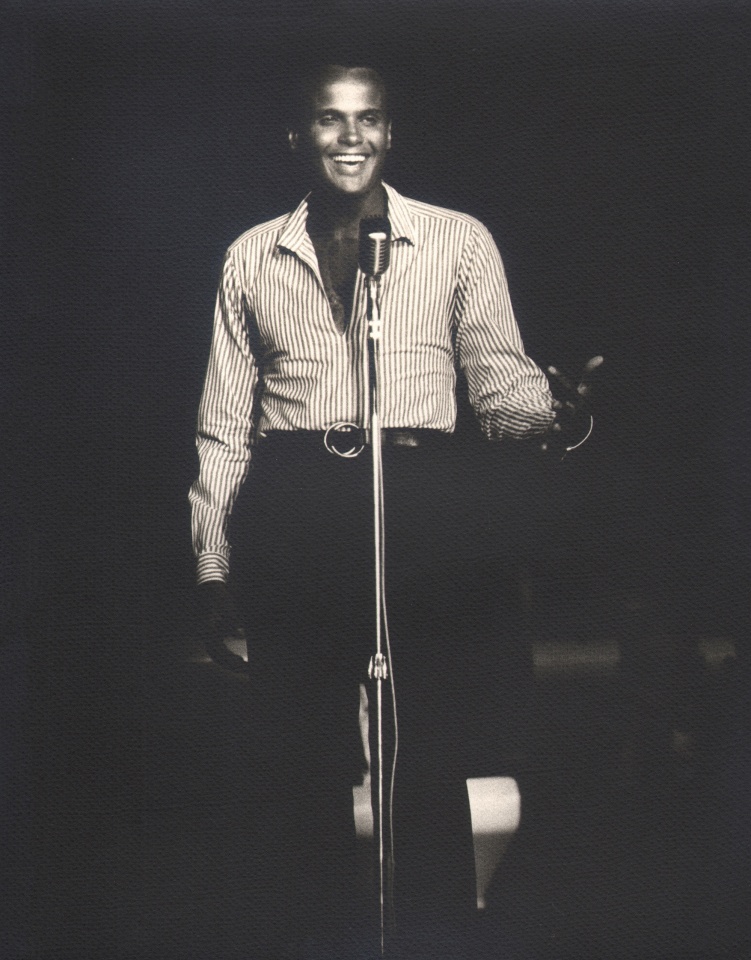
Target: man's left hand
x=573, y=421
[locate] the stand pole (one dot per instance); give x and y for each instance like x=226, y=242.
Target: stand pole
x=378, y=668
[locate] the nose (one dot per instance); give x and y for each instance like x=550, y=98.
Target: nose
x=350, y=132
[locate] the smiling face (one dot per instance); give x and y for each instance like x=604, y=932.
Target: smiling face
x=347, y=134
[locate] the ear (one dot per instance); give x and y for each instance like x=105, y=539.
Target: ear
x=388, y=136
x=293, y=139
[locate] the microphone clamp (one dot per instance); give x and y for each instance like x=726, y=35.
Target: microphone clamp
x=374, y=327
x=378, y=670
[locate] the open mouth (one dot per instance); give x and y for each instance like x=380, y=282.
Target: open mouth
x=349, y=159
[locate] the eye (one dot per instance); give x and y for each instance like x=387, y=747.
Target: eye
x=327, y=119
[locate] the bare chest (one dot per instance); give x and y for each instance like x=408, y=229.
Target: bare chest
x=337, y=262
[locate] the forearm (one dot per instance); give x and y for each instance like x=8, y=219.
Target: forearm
x=212, y=497
x=508, y=391
x=225, y=417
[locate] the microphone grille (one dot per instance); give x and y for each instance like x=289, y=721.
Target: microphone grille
x=375, y=238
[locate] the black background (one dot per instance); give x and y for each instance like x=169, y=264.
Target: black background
x=604, y=144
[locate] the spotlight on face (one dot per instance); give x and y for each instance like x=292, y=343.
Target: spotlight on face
x=347, y=132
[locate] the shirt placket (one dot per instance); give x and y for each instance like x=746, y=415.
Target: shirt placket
x=357, y=346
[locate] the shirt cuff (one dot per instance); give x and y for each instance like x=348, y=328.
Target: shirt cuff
x=212, y=566
x=517, y=421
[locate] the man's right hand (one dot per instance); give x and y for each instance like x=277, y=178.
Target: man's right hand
x=220, y=623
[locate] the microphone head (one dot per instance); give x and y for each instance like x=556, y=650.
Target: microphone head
x=375, y=245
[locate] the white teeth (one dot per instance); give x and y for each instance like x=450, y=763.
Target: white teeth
x=349, y=158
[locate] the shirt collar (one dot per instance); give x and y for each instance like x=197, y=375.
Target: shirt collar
x=294, y=235
x=402, y=227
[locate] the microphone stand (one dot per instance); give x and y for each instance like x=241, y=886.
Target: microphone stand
x=378, y=669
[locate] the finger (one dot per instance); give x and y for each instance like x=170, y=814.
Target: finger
x=562, y=379
x=564, y=408
x=583, y=389
x=592, y=364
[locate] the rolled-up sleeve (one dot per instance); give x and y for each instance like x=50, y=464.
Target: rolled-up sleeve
x=508, y=391
x=225, y=419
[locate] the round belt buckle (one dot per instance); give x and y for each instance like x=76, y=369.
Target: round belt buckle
x=344, y=439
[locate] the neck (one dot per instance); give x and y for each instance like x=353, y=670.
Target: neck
x=340, y=215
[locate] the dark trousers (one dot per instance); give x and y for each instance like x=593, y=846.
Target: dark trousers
x=303, y=574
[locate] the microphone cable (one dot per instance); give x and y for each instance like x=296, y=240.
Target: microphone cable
x=391, y=858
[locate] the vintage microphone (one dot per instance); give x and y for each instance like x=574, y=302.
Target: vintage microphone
x=375, y=246
x=374, y=257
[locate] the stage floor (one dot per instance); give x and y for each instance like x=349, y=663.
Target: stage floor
x=629, y=749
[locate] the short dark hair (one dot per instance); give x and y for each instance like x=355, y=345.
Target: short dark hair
x=312, y=80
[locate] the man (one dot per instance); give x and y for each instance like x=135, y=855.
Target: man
x=285, y=395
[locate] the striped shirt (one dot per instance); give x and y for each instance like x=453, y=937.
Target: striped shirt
x=279, y=361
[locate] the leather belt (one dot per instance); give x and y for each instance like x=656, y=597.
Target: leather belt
x=349, y=441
